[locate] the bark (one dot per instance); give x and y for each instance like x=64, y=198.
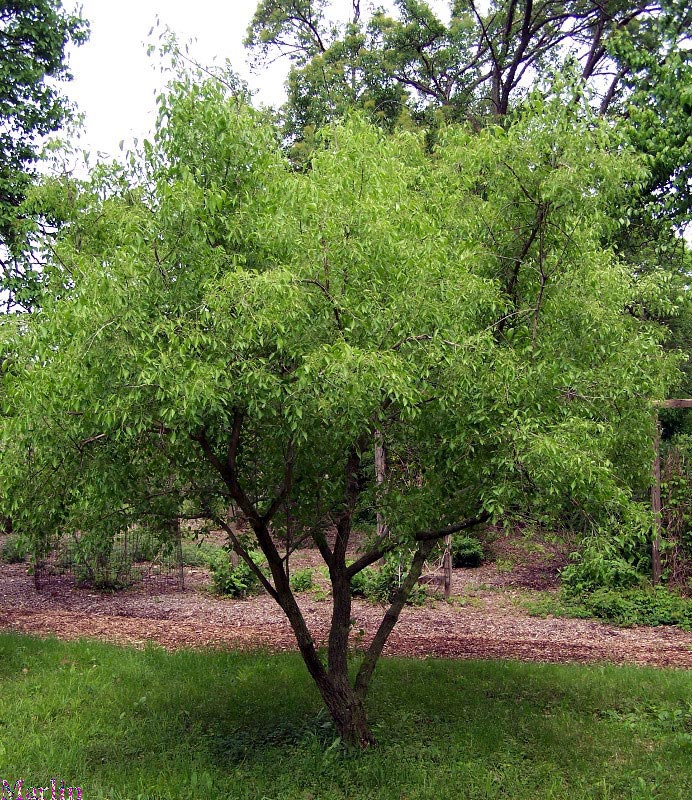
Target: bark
x=347, y=710
x=344, y=701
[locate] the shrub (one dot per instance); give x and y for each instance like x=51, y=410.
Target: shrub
x=144, y=545
x=624, y=607
x=466, y=551
x=617, y=558
x=593, y=569
x=640, y=607
x=233, y=581
x=15, y=549
x=301, y=580
x=200, y=553
x=361, y=581
x=380, y=585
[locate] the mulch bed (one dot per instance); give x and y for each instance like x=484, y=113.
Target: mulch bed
x=486, y=622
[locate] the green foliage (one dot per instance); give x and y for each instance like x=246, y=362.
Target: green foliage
x=96, y=562
x=200, y=553
x=106, y=559
x=233, y=581
x=34, y=37
x=466, y=551
x=302, y=580
x=227, y=328
x=226, y=724
x=676, y=491
x=638, y=607
x=625, y=607
x=614, y=558
x=380, y=584
x=15, y=549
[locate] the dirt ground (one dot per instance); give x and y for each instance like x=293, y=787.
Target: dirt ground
x=485, y=618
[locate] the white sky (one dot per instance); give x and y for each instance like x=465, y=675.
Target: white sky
x=115, y=82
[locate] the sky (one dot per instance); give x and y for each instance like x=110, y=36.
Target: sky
x=115, y=82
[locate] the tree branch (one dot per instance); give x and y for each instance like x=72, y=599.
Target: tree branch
x=390, y=619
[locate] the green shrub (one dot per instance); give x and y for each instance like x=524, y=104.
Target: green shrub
x=230, y=581
x=144, y=545
x=625, y=607
x=640, y=607
x=97, y=562
x=301, y=580
x=360, y=582
x=613, y=559
x=200, y=553
x=466, y=551
x=380, y=585
x=15, y=549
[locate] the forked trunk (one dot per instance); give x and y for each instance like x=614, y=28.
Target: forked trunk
x=347, y=710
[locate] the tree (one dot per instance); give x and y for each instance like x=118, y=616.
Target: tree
x=477, y=67
x=34, y=35
x=630, y=60
x=234, y=331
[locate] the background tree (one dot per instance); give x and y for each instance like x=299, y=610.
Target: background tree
x=478, y=67
x=405, y=66
x=235, y=331
x=34, y=35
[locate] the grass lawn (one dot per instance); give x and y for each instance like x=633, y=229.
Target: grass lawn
x=126, y=724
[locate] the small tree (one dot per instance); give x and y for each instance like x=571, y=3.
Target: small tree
x=231, y=331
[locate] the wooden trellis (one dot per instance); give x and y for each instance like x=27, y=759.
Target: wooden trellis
x=656, y=565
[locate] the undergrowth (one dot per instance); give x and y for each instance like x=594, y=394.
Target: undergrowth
x=624, y=607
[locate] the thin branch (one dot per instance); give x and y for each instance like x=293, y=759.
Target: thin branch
x=247, y=558
x=385, y=544
x=390, y=619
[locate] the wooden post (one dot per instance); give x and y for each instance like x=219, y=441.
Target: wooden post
x=656, y=506
x=179, y=553
x=447, y=565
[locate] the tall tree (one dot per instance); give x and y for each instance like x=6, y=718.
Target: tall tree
x=235, y=332
x=478, y=66
x=34, y=35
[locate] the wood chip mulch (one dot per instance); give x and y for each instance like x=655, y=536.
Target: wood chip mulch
x=487, y=624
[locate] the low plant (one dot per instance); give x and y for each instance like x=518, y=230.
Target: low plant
x=379, y=585
x=466, y=551
x=626, y=607
x=617, y=558
x=15, y=549
x=302, y=580
x=200, y=553
x=232, y=580
x=505, y=564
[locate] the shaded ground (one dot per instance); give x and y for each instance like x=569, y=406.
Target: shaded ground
x=484, y=620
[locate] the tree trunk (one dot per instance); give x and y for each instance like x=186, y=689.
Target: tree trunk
x=347, y=710
x=380, y=473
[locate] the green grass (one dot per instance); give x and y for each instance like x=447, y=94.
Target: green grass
x=127, y=725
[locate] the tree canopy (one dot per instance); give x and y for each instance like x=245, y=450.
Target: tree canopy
x=227, y=330
x=34, y=35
